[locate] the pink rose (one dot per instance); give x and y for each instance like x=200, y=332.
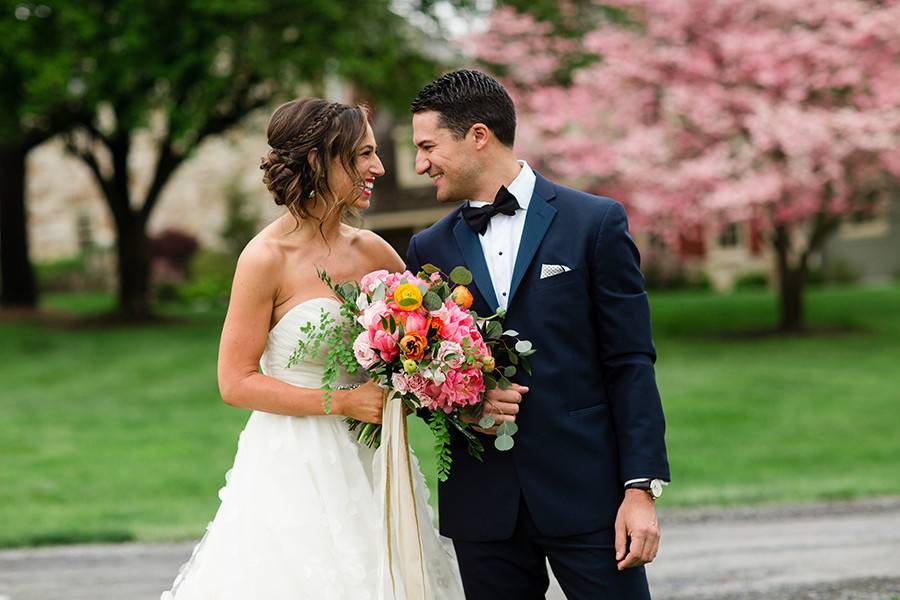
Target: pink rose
x=450, y=348
x=363, y=351
x=400, y=382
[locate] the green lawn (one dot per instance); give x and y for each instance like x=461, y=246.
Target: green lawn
x=118, y=434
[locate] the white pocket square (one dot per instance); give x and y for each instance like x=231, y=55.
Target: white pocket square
x=553, y=270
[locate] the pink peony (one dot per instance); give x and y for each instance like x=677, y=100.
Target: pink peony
x=362, y=350
x=369, y=282
x=459, y=389
x=372, y=314
x=455, y=321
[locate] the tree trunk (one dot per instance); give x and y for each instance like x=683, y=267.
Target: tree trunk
x=18, y=287
x=791, y=281
x=134, y=267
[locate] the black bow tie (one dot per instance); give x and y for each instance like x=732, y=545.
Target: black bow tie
x=478, y=218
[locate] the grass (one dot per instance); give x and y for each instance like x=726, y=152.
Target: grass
x=119, y=434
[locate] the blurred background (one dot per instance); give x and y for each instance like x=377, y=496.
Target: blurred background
x=755, y=144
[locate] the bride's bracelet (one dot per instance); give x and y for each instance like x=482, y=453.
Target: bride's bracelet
x=344, y=388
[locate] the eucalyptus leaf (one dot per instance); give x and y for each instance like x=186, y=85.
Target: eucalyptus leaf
x=511, y=333
x=507, y=428
x=526, y=366
x=430, y=268
x=487, y=421
x=523, y=346
x=509, y=371
x=504, y=443
x=379, y=293
x=461, y=276
x=432, y=301
x=493, y=330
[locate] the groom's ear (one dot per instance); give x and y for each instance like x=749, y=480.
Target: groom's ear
x=481, y=133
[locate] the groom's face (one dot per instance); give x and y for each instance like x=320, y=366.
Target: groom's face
x=450, y=162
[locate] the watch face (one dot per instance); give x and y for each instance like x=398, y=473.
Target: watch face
x=656, y=488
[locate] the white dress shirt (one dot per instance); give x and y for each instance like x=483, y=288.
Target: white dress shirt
x=500, y=243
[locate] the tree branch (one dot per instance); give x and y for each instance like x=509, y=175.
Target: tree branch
x=166, y=164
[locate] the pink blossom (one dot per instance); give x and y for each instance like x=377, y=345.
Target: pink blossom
x=384, y=342
x=414, y=384
x=416, y=323
x=362, y=350
x=371, y=280
x=455, y=322
x=459, y=389
x=773, y=112
x=372, y=314
x=450, y=348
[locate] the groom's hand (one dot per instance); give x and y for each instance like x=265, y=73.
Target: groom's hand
x=503, y=405
x=636, y=521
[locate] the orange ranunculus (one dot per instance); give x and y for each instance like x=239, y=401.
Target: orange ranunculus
x=408, y=297
x=462, y=296
x=413, y=346
x=488, y=364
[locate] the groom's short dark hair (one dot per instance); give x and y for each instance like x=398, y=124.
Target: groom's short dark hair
x=465, y=97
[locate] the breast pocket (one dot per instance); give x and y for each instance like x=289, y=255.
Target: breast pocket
x=570, y=279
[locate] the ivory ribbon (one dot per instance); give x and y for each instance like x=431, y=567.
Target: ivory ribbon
x=405, y=558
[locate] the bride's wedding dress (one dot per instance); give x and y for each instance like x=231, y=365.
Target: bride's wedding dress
x=300, y=515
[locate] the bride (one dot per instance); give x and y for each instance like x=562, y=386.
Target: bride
x=299, y=516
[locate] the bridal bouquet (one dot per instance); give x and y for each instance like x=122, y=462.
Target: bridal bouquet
x=416, y=336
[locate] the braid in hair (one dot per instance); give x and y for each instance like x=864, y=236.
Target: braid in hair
x=295, y=130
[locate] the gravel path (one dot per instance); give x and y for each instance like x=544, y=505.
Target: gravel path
x=834, y=551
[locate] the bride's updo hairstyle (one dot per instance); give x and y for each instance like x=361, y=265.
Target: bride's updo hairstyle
x=296, y=128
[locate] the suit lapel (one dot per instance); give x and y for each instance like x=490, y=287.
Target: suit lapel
x=470, y=246
x=537, y=221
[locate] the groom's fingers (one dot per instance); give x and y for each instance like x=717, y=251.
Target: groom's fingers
x=634, y=558
x=621, y=540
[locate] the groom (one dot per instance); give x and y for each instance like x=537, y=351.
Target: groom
x=578, y=488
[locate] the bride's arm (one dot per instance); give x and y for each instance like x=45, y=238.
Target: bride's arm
x=243, y=342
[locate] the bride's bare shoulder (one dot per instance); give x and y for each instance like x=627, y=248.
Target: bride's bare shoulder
x=376, y=252
x=264, y=255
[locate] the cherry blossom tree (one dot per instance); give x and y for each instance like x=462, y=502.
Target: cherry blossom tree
x=783, y=113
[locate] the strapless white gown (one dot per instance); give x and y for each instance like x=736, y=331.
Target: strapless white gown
x=299, y=518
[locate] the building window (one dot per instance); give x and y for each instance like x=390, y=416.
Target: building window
x=728, y=237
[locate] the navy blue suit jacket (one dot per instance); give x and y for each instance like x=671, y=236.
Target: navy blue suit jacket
x=592, y=419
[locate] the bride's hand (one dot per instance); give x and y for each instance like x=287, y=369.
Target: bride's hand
x=365, y=403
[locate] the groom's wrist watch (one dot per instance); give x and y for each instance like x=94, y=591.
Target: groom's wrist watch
x=654, y=487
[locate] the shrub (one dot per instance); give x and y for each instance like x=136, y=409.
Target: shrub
x=752, y=281
x=209, y=278
x=174, y=249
